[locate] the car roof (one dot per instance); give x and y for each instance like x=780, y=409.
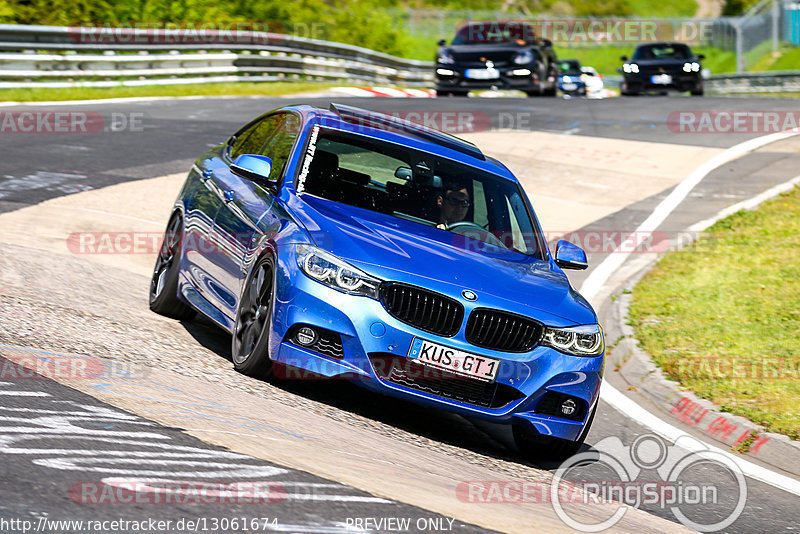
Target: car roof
x=399, y=131
x=662, y=43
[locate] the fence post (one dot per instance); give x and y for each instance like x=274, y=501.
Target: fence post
x=775, y=16
x=739, y=53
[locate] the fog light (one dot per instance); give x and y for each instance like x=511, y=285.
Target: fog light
x=568, y=407
x=445, y=72
x=521, y=72
x=306, y=336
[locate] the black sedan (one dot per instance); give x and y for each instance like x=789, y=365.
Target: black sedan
x=661, y=67
x=496, y=55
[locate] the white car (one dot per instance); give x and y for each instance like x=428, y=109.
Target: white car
x=594, y=82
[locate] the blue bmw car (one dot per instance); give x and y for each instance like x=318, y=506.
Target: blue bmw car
x=347, y=243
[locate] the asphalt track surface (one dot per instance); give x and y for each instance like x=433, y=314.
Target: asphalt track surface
x=39, y=167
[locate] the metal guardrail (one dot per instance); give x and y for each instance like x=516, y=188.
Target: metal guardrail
x=766, y=82
x=59, y=56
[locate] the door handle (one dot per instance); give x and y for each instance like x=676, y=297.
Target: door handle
x=229, y=195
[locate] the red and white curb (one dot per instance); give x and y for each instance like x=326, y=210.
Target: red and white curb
x=385, y=92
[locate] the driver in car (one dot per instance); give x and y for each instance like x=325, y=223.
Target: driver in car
x=453, y=204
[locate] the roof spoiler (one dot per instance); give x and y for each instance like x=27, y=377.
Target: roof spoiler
x=380, y=121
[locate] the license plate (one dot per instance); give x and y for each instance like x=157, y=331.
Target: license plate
x=568, y=87
x=661, y=79
x=482, y=74
x=453, y=360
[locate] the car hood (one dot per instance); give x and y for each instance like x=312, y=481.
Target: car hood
x=474, y=53
x=395, y=249
x=665, y=63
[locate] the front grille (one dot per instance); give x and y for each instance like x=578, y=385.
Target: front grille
x=503, y=331
x=413, y=375
x=423, y=309
x=328, y=343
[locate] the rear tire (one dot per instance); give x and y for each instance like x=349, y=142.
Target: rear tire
x=164, y=283
x=536, y=447
x=250, y=343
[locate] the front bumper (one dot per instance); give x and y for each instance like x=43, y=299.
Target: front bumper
x=518, y=77
x=681, y=81
x=372, y=342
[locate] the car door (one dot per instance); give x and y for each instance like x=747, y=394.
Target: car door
x=201, y=210
x=247, y=205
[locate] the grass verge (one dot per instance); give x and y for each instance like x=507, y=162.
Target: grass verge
x=722, y=317
x=213, y=89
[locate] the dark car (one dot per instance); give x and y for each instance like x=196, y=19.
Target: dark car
x=571, y=77
x=661, y=67
x=496, y=55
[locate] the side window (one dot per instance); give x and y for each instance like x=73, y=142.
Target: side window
x=279, y=146
x=251, y=140
x=273, y=136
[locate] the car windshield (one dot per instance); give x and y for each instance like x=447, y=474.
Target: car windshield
x=569, y=67
x=661, y=51
x=420, y=187
x=494, y=33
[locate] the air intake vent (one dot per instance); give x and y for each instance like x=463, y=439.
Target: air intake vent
x=423, y=309
x=502, y=331
x=412, y=375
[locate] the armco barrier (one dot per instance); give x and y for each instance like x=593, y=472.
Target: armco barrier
x=64, y=56
x=58, y=56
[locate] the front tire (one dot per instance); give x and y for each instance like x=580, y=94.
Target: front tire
x=250, y=343
x=164, y=283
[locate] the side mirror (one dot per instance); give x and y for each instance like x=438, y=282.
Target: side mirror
x=623, y=58
x=441, y=42
x=547, y=43
x=253, y=167
x=569, y=256
x=701, y=56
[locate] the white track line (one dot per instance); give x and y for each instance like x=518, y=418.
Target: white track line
x=600, y=275
x=595, y=281
x=629, y=408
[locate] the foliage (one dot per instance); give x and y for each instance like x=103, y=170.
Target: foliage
x=722, y=317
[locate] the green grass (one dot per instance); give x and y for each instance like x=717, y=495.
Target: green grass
x=658, y=8
x=722, y=317
x=212, y=89
x=789, y=60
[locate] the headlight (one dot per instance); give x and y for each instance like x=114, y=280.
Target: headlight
x=695, y=67
x=630, y=67
x=445, y=57
x=586, y=340
x=327, y=269
x=523, y=57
